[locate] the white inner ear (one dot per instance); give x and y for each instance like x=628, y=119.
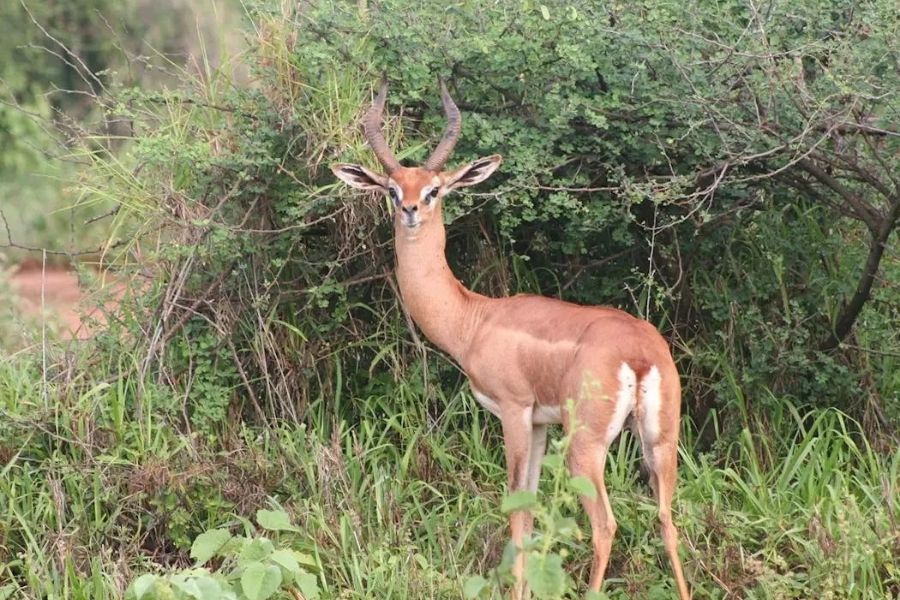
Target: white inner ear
x=359, y=177
x=475, y=172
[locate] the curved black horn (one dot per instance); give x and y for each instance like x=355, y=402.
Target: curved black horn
x=440, y=155
x=372, y=129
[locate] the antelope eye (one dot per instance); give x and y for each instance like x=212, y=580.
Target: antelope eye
x=431, y=195
x=392, y=192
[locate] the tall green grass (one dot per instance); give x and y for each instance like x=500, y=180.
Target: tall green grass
x=97, y=486
x=115, y=458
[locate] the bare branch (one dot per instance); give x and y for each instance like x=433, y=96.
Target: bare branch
x=864, y=210
x=71, y=254
x=851, y=310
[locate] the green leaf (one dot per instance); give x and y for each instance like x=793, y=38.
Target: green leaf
x=552, y=461
x=474, y=586
x=308, y=584
x=592, y=595
x=521, y=500
x=306, y=559
x=287, y=560
x=545, y=12
x=187, y=586
x=565, y=526
x=142, y=585
x=163, y=591
x=208, y=544
x=545, y=575
x=211, y=589
x=260, y=581
x=234, y=545
x=510, y=552
x=274, y=520
x=583, y=486
x=659, y=591
x=254, y=551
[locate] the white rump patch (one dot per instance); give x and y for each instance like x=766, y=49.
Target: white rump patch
x=625, y=401
x=651, y=391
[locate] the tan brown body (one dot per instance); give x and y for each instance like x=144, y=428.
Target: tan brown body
x=528, y=356
x=533, y=350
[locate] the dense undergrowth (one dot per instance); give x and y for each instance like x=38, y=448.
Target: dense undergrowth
x=259, y=376
x=404, y=502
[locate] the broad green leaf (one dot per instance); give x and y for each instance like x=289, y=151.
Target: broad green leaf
x=208, y=544
x=163, y=591
x=308, y=584
x=234, y=545
x=306, y=559
x=142, y=585
x=659, y=591
x=186, y=585
x=583, y=486
x=474, y=586
x=521, y=500
x=254, y=551
x=228, y=591
x=545, y=12
x=592, y=595
x=510, y=552
x=565, y=526
x=260, y=581
x=552, y=461
x=545, y=575
x=211, y=589
x=287, y=560
x=274, y=520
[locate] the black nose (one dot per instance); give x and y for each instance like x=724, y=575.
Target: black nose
x=410, y=209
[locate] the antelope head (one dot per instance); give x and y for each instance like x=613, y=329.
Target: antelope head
x=415, y=192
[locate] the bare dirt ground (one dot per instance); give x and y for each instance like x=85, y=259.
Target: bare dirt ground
x=64, y=302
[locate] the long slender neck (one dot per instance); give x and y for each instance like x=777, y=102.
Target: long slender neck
x=446, y=312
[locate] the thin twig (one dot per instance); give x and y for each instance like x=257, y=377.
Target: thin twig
x=44, y=389
x=12, y=244
x=111, y=213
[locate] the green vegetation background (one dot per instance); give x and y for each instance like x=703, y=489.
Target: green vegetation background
x=727, y=170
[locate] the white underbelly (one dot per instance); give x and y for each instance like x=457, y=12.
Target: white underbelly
x=546, y=415
x=487, y=402
x=540, y=415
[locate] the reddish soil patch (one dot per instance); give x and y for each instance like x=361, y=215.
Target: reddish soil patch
x=65, y=302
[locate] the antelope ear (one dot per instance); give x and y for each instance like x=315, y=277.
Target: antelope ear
x=474, y=172
x=359, y=177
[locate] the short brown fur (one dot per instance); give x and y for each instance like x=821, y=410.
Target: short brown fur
x=529, y=355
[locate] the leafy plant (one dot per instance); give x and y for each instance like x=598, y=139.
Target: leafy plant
x=556, y=533
x=659, y=156
x=248, y=567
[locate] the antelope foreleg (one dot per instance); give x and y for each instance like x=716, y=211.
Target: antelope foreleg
x=517, y=440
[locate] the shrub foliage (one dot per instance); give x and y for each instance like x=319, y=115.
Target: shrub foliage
x=726, y=170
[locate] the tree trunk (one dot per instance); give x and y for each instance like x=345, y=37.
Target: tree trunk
x=851, y=310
